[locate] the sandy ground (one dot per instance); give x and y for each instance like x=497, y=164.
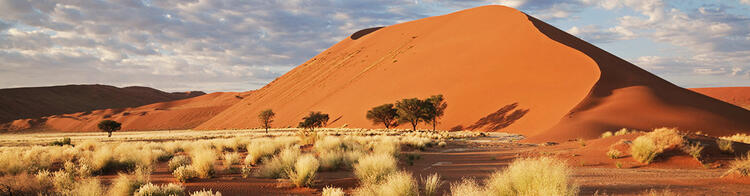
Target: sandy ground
x=478, y=159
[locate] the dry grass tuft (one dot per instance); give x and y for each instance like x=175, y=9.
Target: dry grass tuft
x=725, y=146
x=205, y=193
x=614, y=154
x=304, y=171
x=333, y=191
x=467, y=187
x=607, y=134
x=178, y=161
x=740, y=166
x=164, y=190
x=647, y=147
x=533, y=176
x=371, y=169
x=397, y=183
x=278, y=166
x=740, y=137
x=432, y=184
x=203, y=162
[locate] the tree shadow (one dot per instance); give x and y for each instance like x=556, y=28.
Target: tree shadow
x=501, y=118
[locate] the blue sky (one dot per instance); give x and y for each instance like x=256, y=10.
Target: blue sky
x=235, y=45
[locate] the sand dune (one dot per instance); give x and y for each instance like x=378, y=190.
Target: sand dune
x=494, y=63
x=34, y=102
x=739, y=96
x=179, y=114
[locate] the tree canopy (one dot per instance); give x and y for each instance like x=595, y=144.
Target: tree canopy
x=313, y=120
x=435, y=110
x=109, y=126
x=384, y=114
x=266, y=118
x=412, y=111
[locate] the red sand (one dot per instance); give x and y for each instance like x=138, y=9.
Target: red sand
x=494, y=63
x=739, y=96
x=484, y=59
x=35, y=102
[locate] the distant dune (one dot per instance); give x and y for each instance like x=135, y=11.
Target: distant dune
x=522, y=74
x=35, y=102
x=739, y=96
x=498, y=68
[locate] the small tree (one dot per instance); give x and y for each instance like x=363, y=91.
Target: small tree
x=412, y=111
x=436, y=109
x=313, y=120
x=109, y=126
x=385, y=114
x=266, y=118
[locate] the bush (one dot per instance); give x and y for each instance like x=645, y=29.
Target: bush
x=467, y=187
x=185, y=173
x=725, y=146
x=205, y=193
x=533, y=176
x=623, y=131
x=304, y=171
x=164, y=190
x=647, y=147
x=607, y=134
x=279, y=164
x=178, y=161
x=373, y=168
x=397, y=183
x=740, y=166
x=432, y=184
x=614, y=154
x=203, y=162
x=332, y=191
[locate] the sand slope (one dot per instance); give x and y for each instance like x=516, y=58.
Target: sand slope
x=518, y=73
x=34, y=102
x=179, y=114
x=739, y=96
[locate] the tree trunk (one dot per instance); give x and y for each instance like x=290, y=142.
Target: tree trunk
x=266, y=129
x=110, y=134
x=414, y=126
x=434, y=124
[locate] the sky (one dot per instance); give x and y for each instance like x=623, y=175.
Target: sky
x=241, y=45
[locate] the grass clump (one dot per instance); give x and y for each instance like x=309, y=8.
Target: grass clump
x=607, y=134
x=205, y=193
x=693, y=149
x=203, y=162
x=63, y=142
x=432, y=184
x=178, y=161
x=740, y=137
x=614, y=154
x=333, y=191
x=371, y=169
x=532, y=176
x=278, y=166
x=164, y=190
x=740, y=166
x=725, y=146
x=647, y=147
x=185, y=173
x=304, y=171
x=467, y=187
x=231, y=159
x=125, y=184
x=396, y=183
x=623, y=131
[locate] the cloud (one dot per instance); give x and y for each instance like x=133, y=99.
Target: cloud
x=596, y=34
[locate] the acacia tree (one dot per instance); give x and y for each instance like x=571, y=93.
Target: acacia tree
x=412, y=111
x=313, y=120
x=386, y=114
x=435, y=110
x=109, y=126
x=266, y=118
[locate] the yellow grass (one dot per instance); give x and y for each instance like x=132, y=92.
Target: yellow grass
x=647, y=147
x=373, y=168
x=533, y=176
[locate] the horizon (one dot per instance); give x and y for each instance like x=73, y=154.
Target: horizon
x=239, y=47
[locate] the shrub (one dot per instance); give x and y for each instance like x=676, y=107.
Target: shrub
x=397, y=183
x=304, y=171
x=533, y=176
x=372, y=169
x=185, y=173
x=333, y=191
x=279, y=164
x=607, y=134
x=740, y=166
x=467, y=187
x=203, y=162
x=431, y=184
x=622, y=131
x=164, y=190
x=64, y=141
x=614, y=154
x=178, y=161
x=205, y=193
x=694, y=150
x=725, y=146
x=647, y=147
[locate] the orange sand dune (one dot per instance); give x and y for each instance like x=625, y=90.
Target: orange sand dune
x=522, y=74
x=739, y=96
x=34, y=102
x=180, y=114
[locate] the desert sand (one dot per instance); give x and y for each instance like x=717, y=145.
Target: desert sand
x=739, y=96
